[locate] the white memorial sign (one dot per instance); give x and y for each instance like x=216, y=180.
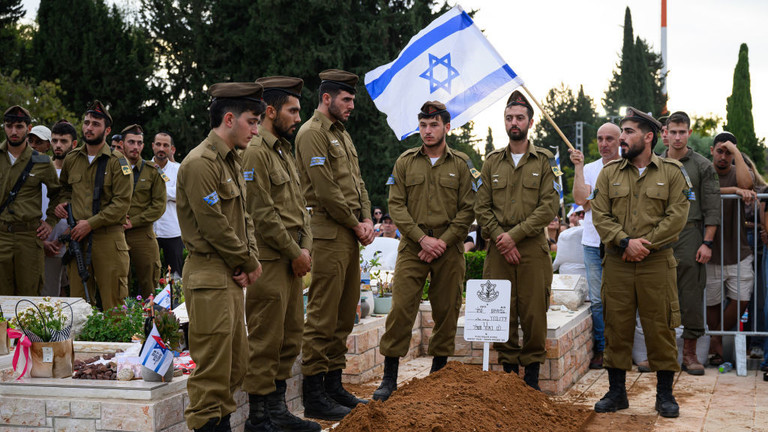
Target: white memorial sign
x=486, y=317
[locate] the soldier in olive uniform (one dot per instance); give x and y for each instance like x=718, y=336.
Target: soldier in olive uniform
x=639, y=207
x=694, y=248
x=223, y=258
x=22, y=227
x=334, y=188
x=430, y=199
x=147, y=205
x=517, y=198
x=99, y=221
x=274, y=304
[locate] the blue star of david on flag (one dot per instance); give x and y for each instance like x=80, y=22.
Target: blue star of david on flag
x=450, y=73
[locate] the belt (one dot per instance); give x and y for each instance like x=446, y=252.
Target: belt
x=140, y=229
x=205, y=255
x=613, y=250
x=434, y=232
x=19, y=227
x=109, y=229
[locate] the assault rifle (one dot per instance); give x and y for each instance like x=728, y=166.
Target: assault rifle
x=76, y=251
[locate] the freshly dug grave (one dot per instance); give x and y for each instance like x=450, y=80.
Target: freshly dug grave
x=464, y=398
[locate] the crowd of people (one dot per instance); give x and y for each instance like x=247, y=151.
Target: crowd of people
x=255, y=215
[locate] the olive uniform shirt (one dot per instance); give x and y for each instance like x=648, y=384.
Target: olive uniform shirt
x=148, y=201
x=25, y=208
x=329, y=164
x=520, y=211
x=275, y=201
x=78, y=178
x=211, y=205
x=704, y=197
x=424, y=196
x=653, y=206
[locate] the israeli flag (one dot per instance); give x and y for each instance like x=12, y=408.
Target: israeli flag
x=155, y=354
x=559, y=179
x=449, y=61
x=163, y=298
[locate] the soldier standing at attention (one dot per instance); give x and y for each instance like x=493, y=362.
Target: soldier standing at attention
x=639, y=207
x=23, y=172
x=694, y=248
x=223, y=258
x=274, y=304
x=517, y=198
x=430, y=199
x=334, y=188
x=98, y=182
x=147, y=205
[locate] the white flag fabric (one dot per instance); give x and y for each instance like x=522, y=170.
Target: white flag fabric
x=449, y=61
x=154, y=354
x=163, y=298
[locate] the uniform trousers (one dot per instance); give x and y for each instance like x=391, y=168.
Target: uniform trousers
x=145, y=258
x=21, y=263
x=691, y=281
x=108, y=270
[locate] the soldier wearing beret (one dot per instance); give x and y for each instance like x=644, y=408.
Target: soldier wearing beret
x=147, y=205
x=98, y=183
x=517, y=198
x=639, y=207
x=431, y=193
x=334, y=189
x=223, y=258
x=23, y=227
x=274, y=303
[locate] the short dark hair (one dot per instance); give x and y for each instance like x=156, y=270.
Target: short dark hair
x=528, y=109
x=646, y=127
x=276, y=99
x=333, y=89
x=724, y=137
x=221, y=106
x=679, y=117
x=63, y=127
x=168, y=135
x=444, y=115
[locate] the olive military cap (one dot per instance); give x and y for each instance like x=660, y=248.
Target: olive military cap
x=517, y=98
x=132, y=129
x=289, y=85
x=663, y=120
x=239, y=90
x=347, y=80
x=636, y=115
x=97, y=109
x=17, y=113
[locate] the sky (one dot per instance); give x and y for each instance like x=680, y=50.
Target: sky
x=549, y=42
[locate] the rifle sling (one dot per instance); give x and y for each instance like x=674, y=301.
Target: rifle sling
x=19, y=183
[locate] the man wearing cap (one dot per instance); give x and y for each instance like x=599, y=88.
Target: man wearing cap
x=97, y=182
x=584, y=180
x=639, y=208
x=117, y=143
x=147, y=205
x=431, y=193
x=333, y=187
x=167, y=228
x=388, y=228
x=693, y=250
x=517, y=197
x=40, y=139
x=23, y=226
x=274, y=303
x=223, y=258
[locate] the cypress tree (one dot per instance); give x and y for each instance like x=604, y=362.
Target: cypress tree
x=489, y=142
x=739, y=120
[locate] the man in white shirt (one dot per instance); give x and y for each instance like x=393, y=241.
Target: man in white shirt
x=167, y=227
x=583, y=185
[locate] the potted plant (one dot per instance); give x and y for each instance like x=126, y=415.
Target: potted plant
x=168, y=326
x=383, y=300
x=48, y=328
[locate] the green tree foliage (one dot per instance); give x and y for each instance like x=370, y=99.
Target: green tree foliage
x=41, y=99
x=637, y=79
x=739, y=120
x=489, y=143
x=103, y=57
x=706, y=125
x=14, y=37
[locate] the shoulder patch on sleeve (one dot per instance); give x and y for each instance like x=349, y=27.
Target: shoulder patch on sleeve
x=592, y=194
x=211, y=199
x=557, y=187
x=248, y=175
x=317, y=161
x=477, y=183
x=124, y=165
x=390, y=180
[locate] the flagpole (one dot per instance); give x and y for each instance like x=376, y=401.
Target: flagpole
x=552, y=122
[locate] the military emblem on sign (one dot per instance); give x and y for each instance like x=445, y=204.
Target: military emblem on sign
x=488, y=292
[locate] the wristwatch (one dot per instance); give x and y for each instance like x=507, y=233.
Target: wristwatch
x=623, y=243
x=708, y=243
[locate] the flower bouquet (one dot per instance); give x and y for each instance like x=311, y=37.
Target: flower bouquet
x=46, y=328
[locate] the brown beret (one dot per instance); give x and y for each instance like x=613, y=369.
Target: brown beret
x=17, y=113
x=433, y=108
x=134, y=129
x=97, y=108
x=636, y=115
x=239, y=90
x=346, y=80
x=284, y=84
x=517, y=98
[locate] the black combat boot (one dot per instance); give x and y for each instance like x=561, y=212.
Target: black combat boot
x=258, y=417
x=281, y=417
x=509, y=367
x=389, y=381
x=223, y=425
x=317, y=404
x=217, y=425
x=336, y=391
x=209, y=426
x=531, y=376
x=438, y=362
x=616, y=398
x=666, y=404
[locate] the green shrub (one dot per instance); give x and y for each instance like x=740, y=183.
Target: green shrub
x=116, y=325
x=475, y=262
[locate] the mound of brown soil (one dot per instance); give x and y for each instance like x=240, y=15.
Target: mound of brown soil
x=464, y=398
